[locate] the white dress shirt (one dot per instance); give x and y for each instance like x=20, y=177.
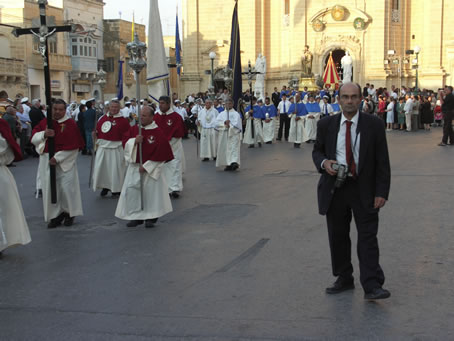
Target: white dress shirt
x=340, y=148
x=284, y=106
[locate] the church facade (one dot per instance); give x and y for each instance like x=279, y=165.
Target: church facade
x=382, y=37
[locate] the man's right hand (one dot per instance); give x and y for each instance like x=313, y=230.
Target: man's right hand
x=49, y=133
x=327, y=165
x=139, y=139
x=227, y=123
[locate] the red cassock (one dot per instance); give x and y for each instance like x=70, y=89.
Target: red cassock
x=67, y=135
x=8, y=136
x=120, y=125
x=171, y=124
x=155, y=146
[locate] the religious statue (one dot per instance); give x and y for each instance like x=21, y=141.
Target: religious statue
x=260, y=67
x=347, y=66
x=306, y=62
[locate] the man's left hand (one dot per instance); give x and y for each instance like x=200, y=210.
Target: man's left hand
x=142, y=170
x=53, y=162
x=379, y=202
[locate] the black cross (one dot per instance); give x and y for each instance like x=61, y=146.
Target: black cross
x=43, y=33
x=250, y=74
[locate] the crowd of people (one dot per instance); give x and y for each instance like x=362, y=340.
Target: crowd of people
x=123, y=154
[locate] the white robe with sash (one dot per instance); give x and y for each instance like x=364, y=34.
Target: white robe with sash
x=208, y=136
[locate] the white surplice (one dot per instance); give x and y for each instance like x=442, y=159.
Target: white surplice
x=13, y=226
x=156, y=201
x=310, y=126
x=258, y=131
x=229, y=139
x=269, y=129
x=208, y=136
x=296, y=131
x=67, y=179
x=110, y=167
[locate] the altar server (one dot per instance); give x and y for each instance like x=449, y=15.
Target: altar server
x=297, y=111
x=310, y=120
x=254, y=131
x=208, y=135
x=269, y=124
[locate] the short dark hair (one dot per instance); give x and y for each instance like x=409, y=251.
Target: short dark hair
x=59, y=101
x=165, y=99
x=450, y=88
x=360, y=91
x=89, y=104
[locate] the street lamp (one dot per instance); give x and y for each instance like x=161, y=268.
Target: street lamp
x=211, y=87
x=101, y=75
x=137, y=50
x=417, y=49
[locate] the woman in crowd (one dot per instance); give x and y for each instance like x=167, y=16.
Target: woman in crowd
x=401, y=113
x=427, y=116
x=390, y=113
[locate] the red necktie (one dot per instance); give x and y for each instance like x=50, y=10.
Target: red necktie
x=348, y=148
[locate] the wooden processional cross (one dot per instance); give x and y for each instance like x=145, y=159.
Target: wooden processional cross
x=43, y=33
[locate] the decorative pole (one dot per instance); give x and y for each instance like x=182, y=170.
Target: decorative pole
x=137, y=50
x=211, y=87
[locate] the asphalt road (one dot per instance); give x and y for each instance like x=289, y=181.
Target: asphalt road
x=244, y=256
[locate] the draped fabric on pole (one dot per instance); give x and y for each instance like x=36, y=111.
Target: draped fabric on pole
x=177, y=46
x=120, y=80
x=330, y=76
x=157, y=69
x=235, y=58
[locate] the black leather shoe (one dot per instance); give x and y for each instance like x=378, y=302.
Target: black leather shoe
x=377, y=294
x=68, y=220
x=340, y=286
x=206, y=159
x=228, y=168
x=175, y=194
x=269, y=142
x=234, y=166
x=134, y=223
x=104, y=192
x=116, y=195
x=260, y=144
x=251, y=146
x=149, y=223
x=296, y=145
x=56, y=221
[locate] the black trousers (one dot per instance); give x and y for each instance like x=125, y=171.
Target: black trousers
x=346, y=201
x=448, y=133
x=283, y=120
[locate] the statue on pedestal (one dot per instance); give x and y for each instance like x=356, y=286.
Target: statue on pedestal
x=259, y=88
x=307, y=77
x=306, y=62
x=347, y=67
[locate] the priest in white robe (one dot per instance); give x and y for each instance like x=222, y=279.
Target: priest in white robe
x=144, y=196
x=13, y=226
x=208, y=134
x=310, y=120
x=68, y=142
x=229, y=125
x=297, y=111
x=110, y=167
x=269, y=123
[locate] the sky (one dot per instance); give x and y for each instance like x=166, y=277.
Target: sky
x=167, y=10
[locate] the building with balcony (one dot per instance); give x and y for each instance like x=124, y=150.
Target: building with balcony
x=29, y=77
x=117, y=34
x=85, y=46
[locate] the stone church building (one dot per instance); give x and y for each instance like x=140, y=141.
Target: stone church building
x=381, y=37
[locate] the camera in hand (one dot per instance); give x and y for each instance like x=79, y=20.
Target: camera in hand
x=342, y=172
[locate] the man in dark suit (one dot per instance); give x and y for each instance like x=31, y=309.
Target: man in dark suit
x=276, y=97
x=358, y=141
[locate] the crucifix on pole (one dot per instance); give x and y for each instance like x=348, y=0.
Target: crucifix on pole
x=43, y=33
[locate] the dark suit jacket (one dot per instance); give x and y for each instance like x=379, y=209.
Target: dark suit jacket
x=275, y=98
x=373, y=170
x=36, y=115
